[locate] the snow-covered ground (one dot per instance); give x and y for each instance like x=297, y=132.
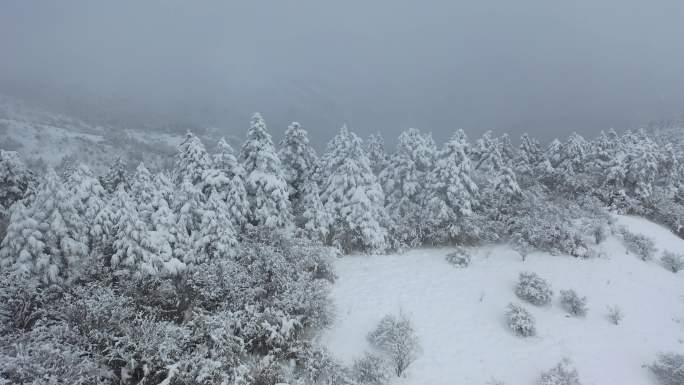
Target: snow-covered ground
x=459, y=313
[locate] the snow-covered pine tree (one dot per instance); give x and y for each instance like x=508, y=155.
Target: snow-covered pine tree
x=642, y=165
x=216, y=237
x=299, y=161
x=499, y=182
x=192, y=160
x=88, y=195
x=188, y=206
x=152, y=195
x=235, y=195
x=137, y=249
x=353, y=197
x=163, y=219
x=46, y=239
x=377, y=156
x=142, y=191
x=453, y=194
x=315, y=220
x=116, y=176
x=572, y=165
x=16, y=180
x=403, y=182
x=265, y=183
x=529, y=157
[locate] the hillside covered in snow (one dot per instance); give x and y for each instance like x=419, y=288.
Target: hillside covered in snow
x=459, y=314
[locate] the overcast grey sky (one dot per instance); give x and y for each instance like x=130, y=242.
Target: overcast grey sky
x=545, y=67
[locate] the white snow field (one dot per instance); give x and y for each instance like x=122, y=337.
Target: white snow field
x=459, y=313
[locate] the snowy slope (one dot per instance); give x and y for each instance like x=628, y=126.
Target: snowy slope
x=459, y=313
x=43, y=137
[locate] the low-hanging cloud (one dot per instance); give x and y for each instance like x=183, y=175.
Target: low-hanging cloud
x=547, y=68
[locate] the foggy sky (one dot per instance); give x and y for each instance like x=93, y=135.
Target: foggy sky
x=544, y=67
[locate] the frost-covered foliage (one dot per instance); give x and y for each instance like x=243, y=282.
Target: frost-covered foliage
x=395, y=337
x=265, y=182
x=459, y=257
x=573, y=303
x=639, y=244
x=669, y=368
x=672, y=261
x=615, y=314
x=533, y=289
x=552, y=226
x=229, y=320
x=562, y=374
x=371, y=370
x=353, y=198
x=520, y=321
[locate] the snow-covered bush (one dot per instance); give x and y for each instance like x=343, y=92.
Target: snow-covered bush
x=50, y=354
x=641, y=245
x=318, y=366
x=21, y=303
x=520, y=321
x=669, y=368
x=371, y=370
x=573, y=303
x=459, y=257
x=673, y=262
x=541, y=223
x=533, y=289
x=395, y=336
x=615, y=314
x=562, y=374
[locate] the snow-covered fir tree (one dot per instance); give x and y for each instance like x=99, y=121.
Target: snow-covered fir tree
x=375, y=147
x=265, y=182
x=352, y=196
x=235, y=195
x=137, y=249
x=115, y=176
x=529, y=157
x=192, y=160
x=88, y=195
x=403, y=182
x=16, y=180
x=299, y=161
x=216, y=236
x=188, y=206
x=498, y=180
x=46, y=239
x=453, y=194
x=315, y=220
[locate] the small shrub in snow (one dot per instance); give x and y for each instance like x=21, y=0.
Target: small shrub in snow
x=669, y=368
x=561, y=374
x=459, y=258
x=318, y=366
x=533, y=289
x=371, y=370
x=641, y=245
x=573, y=303
x=615, y=314
x=395, y=336
x=673, y=262
x=520, y=321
